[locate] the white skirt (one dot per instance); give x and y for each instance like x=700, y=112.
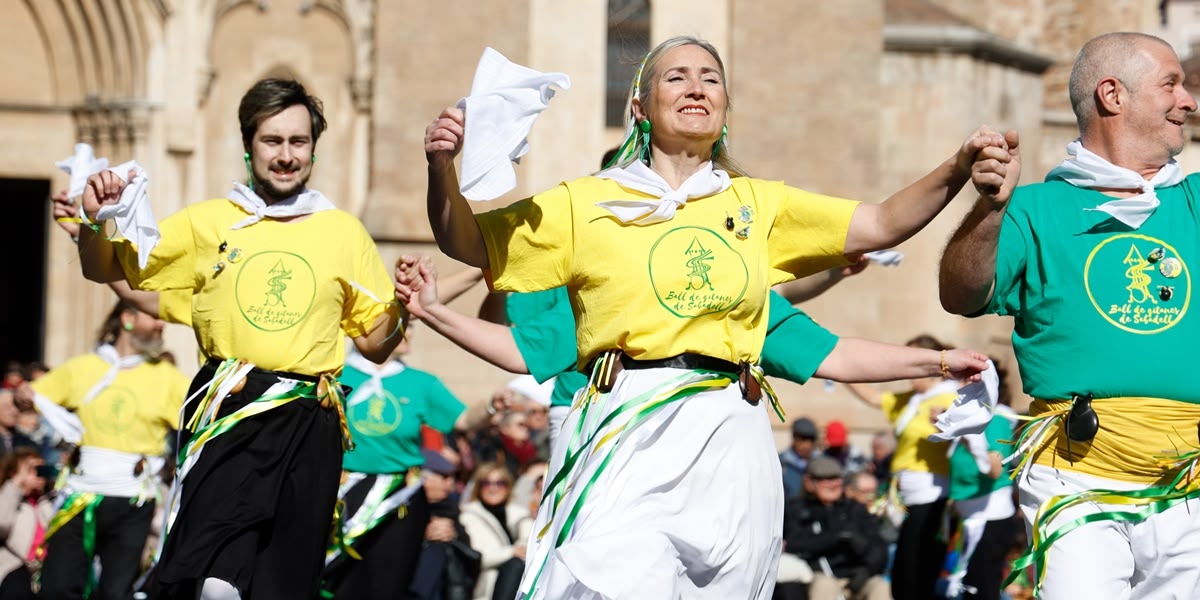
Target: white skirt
x=680, y=499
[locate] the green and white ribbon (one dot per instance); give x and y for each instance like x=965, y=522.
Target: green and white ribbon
x=388, y=493
x=76, y=503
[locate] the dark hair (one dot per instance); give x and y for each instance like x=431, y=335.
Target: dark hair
x=928, y=342
x=270, y=97
x=112, y=323
x=9, y=464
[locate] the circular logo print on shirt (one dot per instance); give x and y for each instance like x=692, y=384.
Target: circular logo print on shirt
x=377, y=416
x=112, y=411
x=1138, y=283
x=275, y=290
x=695, y=272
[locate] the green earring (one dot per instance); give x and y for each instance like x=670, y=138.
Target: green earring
x=127, y=326
x=644, y=128
x=314, y=158
x=720, y=140
x=249, y=169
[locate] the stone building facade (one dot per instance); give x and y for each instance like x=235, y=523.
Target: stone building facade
x=851, y=98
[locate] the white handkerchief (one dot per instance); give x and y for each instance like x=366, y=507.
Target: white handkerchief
x=133, y=214
x=82, y=165
x=887, y=258
x=972, y=410
x=505, y=101
x=1086, y=169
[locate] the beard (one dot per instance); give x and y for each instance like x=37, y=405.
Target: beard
x=267, y=190
x=151, y=348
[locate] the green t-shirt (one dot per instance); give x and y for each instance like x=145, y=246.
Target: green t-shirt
x=966, y=480
x=1099, y=307
x=544, y=329
x=386, y=428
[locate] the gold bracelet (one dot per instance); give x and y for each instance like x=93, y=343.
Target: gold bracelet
x=945, y=369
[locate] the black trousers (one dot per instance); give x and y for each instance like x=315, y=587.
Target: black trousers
x=390, y=552
x=121, y=531
x=257, y=508
x=919, y=552
x=985, y=572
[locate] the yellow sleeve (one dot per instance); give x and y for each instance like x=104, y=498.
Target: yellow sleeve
x=809, y=233
x=58, y=385
x=172, y=262
x=175, y=306
x=360, y=311
x=890, y=404
x=530, y=243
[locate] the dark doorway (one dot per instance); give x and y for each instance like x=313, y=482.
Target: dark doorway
x=23, y=254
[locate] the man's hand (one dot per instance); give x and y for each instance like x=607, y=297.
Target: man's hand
x=65, y=213
x=444, y=136
x=440, y=529
x=997, y=169
x=103, y=189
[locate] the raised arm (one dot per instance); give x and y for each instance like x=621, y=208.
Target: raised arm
x=450, y=215
x=492, y=342
x=855, y=361
x=67, y=218
x=456, y=284
x=968, y=272
x=887, y=224
x=97, y=258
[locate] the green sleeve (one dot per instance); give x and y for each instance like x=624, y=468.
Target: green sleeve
x=796, y=345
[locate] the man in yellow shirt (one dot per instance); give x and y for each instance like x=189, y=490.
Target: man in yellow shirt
x=261, y=446
x=123, y=402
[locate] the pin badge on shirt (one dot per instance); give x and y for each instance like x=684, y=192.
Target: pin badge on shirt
x=1170, y=267
x=743, y=233
x=728, y=222
x=745, y=214
x=1165, y=292
x=1156, y=255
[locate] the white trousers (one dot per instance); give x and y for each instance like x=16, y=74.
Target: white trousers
x=686, y=504
x=1155, y=559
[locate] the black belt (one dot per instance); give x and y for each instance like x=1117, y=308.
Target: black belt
x=749, y=386
x=681, y=361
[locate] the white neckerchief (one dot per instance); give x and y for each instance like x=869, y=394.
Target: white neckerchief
x=917, y=399
x=373, y=386
x=637, y=176
x=116, y=362
x=1084, y=168
x=304, y=203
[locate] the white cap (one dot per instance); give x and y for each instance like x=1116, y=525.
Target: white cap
x=527, y=386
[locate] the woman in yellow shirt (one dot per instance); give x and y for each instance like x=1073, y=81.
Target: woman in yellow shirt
x=666, y=482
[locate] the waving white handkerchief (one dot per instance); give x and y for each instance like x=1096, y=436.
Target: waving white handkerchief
x=82, y=165
x=133, y=214
x=374, y=386
x=887, y=258
x=637, y=176
x=304, y=203
x=1084, y=168
x=972, y=410
x=505, y=101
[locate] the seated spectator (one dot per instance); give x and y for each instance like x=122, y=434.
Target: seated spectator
x=837, y=447
x=794, y=460
x=24, y=514
x=836, y=536
x=448, y=567
x=883, y=446
x=498, y=529
x=863, y=488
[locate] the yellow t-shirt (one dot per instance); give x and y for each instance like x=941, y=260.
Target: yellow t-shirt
x=914, y=451
x=690, y=284
x=283, y=297
x=175, y=306
x=133, y=414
